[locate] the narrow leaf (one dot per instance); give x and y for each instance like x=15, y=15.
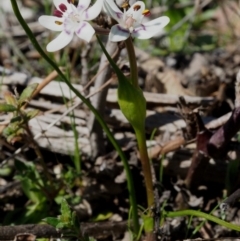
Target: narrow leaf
x=66, y=213
x=27, y=93
x=52, y=221
x=32, y=113
x=16, y=119
x=60, y=225
x=10, y=98
x=7, y=108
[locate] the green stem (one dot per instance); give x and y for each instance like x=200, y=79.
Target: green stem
x=202, y=215
x=141, y=139
x=140, y=134
x=95, y=112
x=132, y=62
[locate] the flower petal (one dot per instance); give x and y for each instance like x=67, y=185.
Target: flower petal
x=94, y=10
x=113, y=10
x=82, y=5
x=60, y=41
x=135, y=11
x=85, y=31
x=51, y=22
x=151, y=28
x=118, y=33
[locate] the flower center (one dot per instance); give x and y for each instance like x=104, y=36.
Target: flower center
x=129, y=22
x=131, y=17
x=74, y=17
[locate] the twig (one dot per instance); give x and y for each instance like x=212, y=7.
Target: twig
x=84, y=63
x=97, y=230
x=96, y=133
x=234, y=197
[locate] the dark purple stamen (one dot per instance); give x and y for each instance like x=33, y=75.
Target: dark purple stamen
x=69, y=1
x=63, y=7
x=57, y=13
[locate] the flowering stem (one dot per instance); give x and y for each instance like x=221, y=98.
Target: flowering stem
x=140, y=132
x=132, y=62
x=141, y=139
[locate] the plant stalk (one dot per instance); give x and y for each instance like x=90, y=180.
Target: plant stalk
x=140, y=133
x=141, y=140
x=132, y=61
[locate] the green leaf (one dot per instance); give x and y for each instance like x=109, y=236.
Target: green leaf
x=7, y=107
x=60, y=225
x=13, y=129
x=13, y=132
x=52, y=221
x=32, y=113
x=10, y=99
x=148, y=223
x=27, y=93
x=132, y=104
x=103, y=216
x=30, y=181
x=16, y=119
x=66, y=213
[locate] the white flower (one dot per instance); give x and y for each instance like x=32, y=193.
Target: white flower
x=70, y=19
x=130, y=22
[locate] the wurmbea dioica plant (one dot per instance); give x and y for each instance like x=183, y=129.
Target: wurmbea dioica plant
x=130, y=97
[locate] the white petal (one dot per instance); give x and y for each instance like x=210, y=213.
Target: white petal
x=58, y=2
x=118, y=33
x=82, y=5
x=49, y=22
x=151, y=28
x=62, y=40
x=85, y=31
x=113, y=10
x=94, y=10
x=136, y=11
